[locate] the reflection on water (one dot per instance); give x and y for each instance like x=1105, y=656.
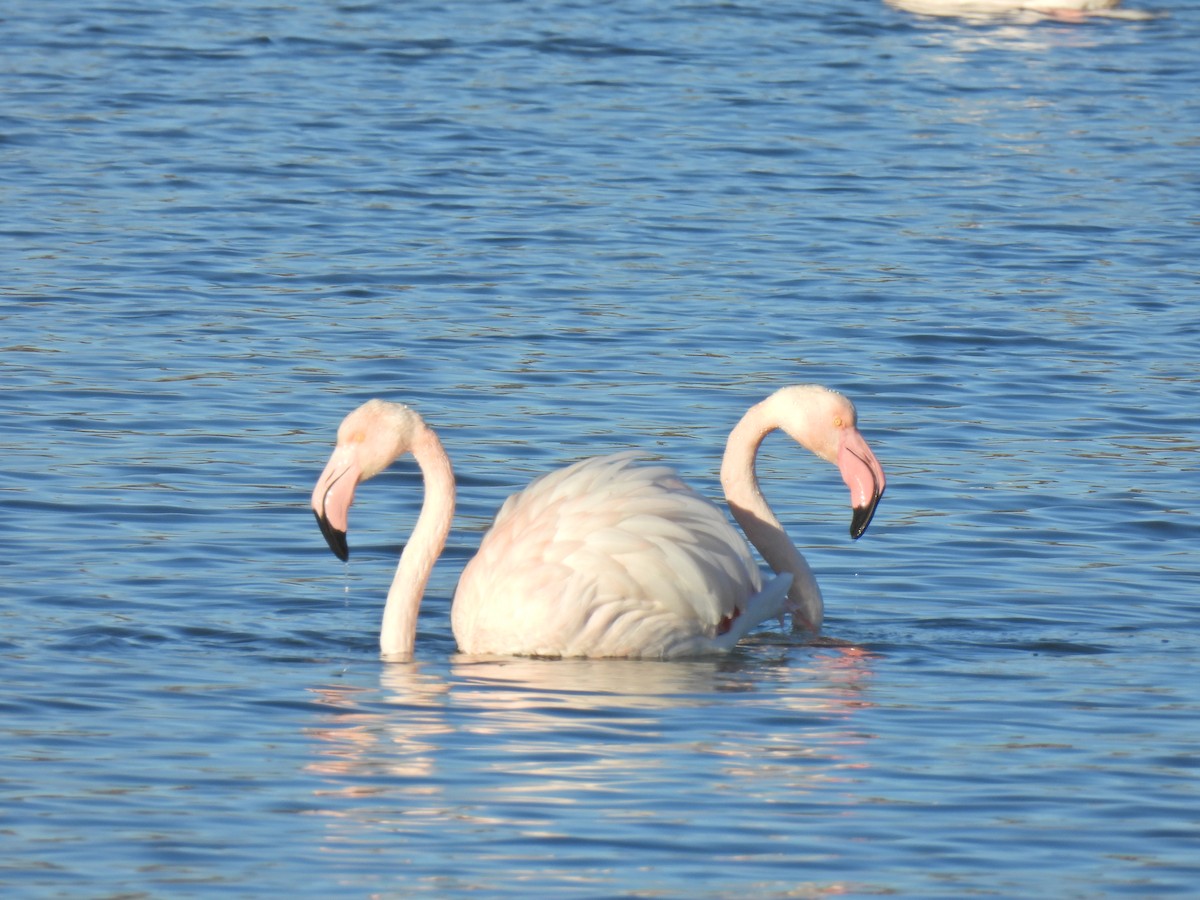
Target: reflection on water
x=359, y=741
x=555, y=761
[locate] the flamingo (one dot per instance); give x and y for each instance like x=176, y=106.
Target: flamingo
x=607, y=557
x=1064, y=10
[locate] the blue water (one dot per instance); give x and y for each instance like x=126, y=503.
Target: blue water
x=561, y=229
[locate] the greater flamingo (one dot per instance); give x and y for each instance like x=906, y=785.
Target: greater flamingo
x=606, y=557
x=1064, y=10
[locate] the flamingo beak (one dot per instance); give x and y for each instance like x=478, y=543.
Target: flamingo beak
x=331, y=499
x=863, y=475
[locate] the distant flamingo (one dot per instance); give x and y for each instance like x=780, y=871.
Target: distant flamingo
x=1064, y=10
x=606, y=557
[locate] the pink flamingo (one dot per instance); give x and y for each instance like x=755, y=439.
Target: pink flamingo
x=1063, y=10
x=606, y=557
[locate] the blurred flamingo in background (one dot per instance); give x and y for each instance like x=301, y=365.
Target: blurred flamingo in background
x=1062, y=10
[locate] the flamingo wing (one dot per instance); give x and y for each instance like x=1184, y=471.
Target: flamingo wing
x=607, y=557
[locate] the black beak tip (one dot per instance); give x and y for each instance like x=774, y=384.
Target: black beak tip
x=335, y=538
x=339, y=546
x=858, y=525
x=862, y=518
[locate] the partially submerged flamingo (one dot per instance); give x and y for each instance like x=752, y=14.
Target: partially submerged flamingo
x=606, y=557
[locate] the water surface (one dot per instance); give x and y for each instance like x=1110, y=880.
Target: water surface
x=558, y=230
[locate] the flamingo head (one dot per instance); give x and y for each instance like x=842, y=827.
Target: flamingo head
x=368, y=441
x=826, y=422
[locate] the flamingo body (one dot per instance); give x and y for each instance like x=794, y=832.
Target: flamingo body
x=610, y=558
x=1063, y=9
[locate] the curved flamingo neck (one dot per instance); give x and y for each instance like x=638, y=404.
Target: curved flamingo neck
x=399, y=631
x=751, y=510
